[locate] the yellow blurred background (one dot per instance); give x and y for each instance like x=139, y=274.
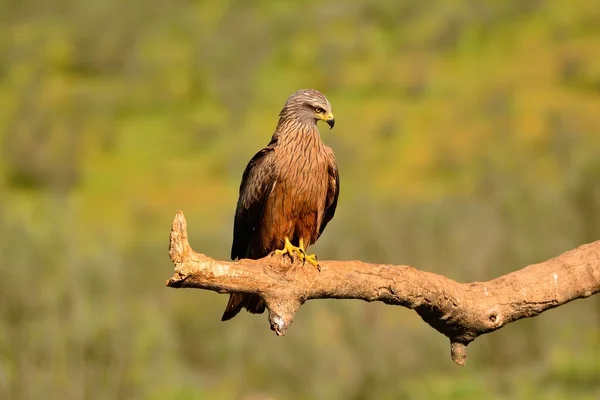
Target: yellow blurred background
x=467, y=142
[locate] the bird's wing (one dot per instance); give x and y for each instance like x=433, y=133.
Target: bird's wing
x=257, y=182
x=333, y=190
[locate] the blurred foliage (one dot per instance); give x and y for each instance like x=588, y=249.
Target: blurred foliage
x=468, y=145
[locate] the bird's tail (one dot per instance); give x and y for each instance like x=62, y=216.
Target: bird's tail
x=237, y=301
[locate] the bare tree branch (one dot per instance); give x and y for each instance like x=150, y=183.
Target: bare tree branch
x=461, y=311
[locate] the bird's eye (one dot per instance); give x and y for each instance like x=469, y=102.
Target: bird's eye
x=318, y=110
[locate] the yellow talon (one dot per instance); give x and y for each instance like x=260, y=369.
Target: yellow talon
x=311, y=258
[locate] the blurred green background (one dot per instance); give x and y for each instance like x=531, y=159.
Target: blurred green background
x=468, y=145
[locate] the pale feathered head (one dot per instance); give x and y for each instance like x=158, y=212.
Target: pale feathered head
x=307, y=106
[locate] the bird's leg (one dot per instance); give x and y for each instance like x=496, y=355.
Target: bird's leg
x=289, y=249
x=311, y=258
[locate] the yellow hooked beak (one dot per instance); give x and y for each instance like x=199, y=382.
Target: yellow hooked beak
x=329, y=119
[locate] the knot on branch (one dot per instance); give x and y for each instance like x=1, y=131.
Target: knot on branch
x=495, y=318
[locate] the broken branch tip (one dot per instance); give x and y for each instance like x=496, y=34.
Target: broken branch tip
x=458, y=352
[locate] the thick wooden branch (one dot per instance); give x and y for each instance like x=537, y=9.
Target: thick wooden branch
x=461, y=311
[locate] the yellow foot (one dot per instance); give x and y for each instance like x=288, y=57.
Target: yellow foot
x=311, y=258
x=290, y=249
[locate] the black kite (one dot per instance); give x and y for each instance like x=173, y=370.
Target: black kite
x=289, y=191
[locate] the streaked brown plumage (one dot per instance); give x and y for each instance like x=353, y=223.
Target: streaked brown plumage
x=289, y=190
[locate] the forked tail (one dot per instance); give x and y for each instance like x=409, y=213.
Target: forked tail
x=237, y=301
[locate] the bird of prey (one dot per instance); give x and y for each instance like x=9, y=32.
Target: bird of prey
x=289, y=191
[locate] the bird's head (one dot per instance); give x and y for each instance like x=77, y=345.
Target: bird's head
x=308, y=105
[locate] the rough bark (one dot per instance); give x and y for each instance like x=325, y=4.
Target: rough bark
x=461, y=311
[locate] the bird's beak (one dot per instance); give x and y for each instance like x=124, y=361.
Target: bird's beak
x=330, y=120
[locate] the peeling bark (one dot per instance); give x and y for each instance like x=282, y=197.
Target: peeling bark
x=460, y=311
